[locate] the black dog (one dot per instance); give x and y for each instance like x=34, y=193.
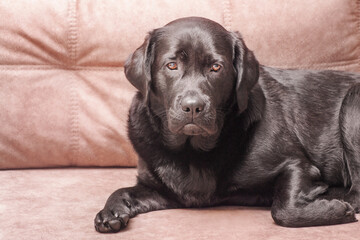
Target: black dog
x=213, y=127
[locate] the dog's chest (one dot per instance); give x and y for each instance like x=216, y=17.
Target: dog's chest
x=193, y=185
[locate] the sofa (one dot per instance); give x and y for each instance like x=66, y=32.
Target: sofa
x=64, y=101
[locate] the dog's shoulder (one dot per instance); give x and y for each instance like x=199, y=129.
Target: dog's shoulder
x=292, y=90
x=303, y=79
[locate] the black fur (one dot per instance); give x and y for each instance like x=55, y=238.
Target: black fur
x=245, y=134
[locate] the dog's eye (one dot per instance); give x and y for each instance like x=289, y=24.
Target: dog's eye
x=215, y=67
x=172, y=66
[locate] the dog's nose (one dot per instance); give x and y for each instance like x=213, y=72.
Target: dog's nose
x=192, y=105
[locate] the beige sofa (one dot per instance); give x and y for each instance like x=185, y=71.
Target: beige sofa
x=64, y=101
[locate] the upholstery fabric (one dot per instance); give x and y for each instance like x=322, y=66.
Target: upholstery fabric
x=62, y=203
x=64, y=101
x=63, y=95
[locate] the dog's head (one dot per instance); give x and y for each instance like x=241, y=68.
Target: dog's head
x=190, y=72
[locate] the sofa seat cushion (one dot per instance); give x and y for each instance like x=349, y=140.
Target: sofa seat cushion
x=62, y=204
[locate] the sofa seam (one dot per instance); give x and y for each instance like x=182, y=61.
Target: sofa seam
x=227, y=18
x=358, y=25
x=72, y=41
x=107, y=69
x=74, y=124
x=72, y=35
x=57, y=67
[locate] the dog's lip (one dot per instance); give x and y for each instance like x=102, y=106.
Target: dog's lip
x=192, y=129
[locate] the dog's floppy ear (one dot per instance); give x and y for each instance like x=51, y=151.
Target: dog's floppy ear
x=247, y=68
x=138, y=66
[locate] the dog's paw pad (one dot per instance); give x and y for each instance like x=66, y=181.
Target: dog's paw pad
x=106, y=221
x=349, y=212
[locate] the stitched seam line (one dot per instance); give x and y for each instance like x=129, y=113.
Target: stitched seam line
x=74, y=125
x=84, y=68
x=74, y=99
x=358, y=25
x=358, y=16
x=227, y=14
x=105, y=69
x=72, y=32
x=56, y=67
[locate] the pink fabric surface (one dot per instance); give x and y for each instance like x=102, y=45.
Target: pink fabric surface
x=64, y=101
x=56, y=117
x=62, y=203
x=63, y=96
x=305, y=34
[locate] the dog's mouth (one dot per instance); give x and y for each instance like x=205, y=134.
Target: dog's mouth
x=192, y=129
x=205, y=125
x=201, y=132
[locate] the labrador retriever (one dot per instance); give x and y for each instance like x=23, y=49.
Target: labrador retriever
x=213, y=127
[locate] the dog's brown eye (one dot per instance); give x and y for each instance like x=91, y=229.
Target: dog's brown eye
x=172, y=66
x=215, y=67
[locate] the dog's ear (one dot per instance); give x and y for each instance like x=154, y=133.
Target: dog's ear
x=138, y=66
x=247, y=68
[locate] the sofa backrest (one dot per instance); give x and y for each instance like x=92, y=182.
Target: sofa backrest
x=63, y=94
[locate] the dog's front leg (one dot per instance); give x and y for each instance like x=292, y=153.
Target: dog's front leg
x=125, y=203
x=297, y=200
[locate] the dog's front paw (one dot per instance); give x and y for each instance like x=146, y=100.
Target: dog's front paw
x=343, y=211
x=353, y=198
x=107, y=221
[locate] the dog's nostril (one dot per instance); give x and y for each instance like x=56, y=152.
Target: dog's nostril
x=193, y=105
